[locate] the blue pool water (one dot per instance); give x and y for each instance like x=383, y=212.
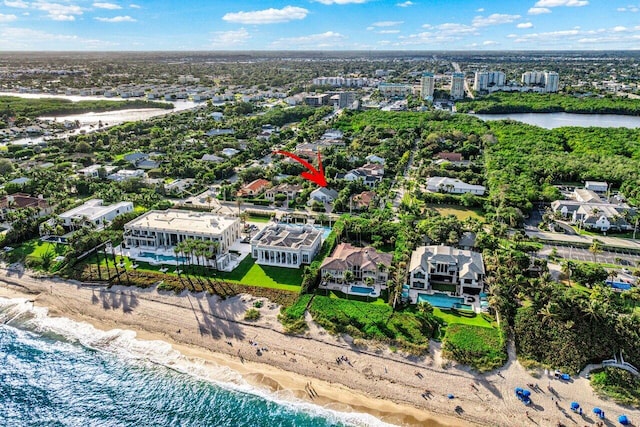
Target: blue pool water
x=161, y=258
x=441, y=300
x=362, y=290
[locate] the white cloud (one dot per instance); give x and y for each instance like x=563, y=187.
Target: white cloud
x=388, y=31
x=314, y=41
x=489, y=43
x=630, y=8
x=494, y=19
x=619, y=29
x=405, y=4
x=387, y=23
x=267, y=16
x=538, y=10
x=29, y=39
x=57, y=11
x=231, y=38
x=328, y=2
x=7, y=18
x=135, y=6
x=525, y=25
x=117, y=19
x=18, y=4
x=557, y=3
x=480, y=10
x=109, y=6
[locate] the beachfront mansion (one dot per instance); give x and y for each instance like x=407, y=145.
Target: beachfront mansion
x=154, y=235
x=446, y=269
x=282, y=245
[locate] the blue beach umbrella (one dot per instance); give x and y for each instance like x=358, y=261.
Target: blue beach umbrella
x=526, y=393
x=622, y=419
x=597, y=410
x=450, y=396
x=519, y=390
x=575, y=405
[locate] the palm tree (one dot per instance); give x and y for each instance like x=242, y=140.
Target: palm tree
x=348, y=276
x=567, y=268
x=595, y=249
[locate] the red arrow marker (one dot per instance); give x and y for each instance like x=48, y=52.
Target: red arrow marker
x=314, y=175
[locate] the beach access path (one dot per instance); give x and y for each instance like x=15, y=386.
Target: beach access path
x=396, y=388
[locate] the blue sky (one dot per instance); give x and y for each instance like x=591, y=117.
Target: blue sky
x=319, y=25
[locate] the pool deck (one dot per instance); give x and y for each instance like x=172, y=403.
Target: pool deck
x=346, y=288
x=414, y=293
x=226, y=262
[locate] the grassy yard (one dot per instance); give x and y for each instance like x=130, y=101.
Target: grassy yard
x=35, y=248
x=247, y=273
x=340, y=295
x=479, y=347
x=464, y=317
x=261, y=219
x=460, y=212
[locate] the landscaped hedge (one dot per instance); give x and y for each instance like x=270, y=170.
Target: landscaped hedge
x=312, y=272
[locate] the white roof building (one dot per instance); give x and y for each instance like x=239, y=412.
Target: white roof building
x=94, y=212
x=453, y=186
x=288, y=246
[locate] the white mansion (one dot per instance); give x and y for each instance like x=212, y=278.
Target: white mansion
x=156, y=233
x=288, y=246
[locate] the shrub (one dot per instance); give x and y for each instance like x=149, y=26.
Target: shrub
x=257, y=304
x=617, y=384
x=252, y=314
x=479, y=347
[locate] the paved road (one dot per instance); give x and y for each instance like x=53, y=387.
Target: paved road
x=619, y=256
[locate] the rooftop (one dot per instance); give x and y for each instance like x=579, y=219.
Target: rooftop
x=286, y=236
x=94, y=209
x=346, y=256
x=183, y=221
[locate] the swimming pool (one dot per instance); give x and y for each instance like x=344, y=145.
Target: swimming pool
x=325, y=230
x=441, y=300
x=362, y=290
x=162, y=258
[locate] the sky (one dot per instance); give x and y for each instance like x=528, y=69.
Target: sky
x=118, y=25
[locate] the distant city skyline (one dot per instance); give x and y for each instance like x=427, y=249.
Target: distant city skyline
x=85, y=25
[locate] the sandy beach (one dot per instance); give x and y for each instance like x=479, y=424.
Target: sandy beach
x=395, y=388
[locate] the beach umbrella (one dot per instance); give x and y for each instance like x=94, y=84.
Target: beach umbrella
x=597, y=410
x=526, y=393
x=575, y=405
x=519, y=390
x=450, y=396
x=622, y=419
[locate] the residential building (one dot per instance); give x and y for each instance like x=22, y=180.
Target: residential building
x=485, y=80
x=551, y=81
x=14, y=202
x=340, y=81
x=92, y=214
x=457, y=86
x=589, y=211
x=372, y=158
x=366, y=264
x=370, y=174
x=156, y=233
x=317, y=100
x=395, y=90
x=125, y=174
x=446, y=269
x=451, y=157
x=254, y=188
x=212, y=158
x=323, y=195
x=363, y=200
x=427, y=85
x=597, y=186
x=343, y=99
x=93, y=171
x=287, y=246
x=229, y=152
x=290, y=190
x=454, y=186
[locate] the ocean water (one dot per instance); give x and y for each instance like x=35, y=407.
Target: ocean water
x=58, y=372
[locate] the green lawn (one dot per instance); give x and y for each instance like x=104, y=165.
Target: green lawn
x=35, y=249
x=261, y=219
x=460, y=212
x=341, y=295
x=463, y=317
x=247, y=273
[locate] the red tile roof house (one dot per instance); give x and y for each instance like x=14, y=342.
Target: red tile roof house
x=254, y=188
x=452, y=157
x=21, y=201
x=363, y=200
x=362, y=262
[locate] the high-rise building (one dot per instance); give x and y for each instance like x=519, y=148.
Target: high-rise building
x=551, y=80
x=457, y=86
x=427, y=84
x=485, y=79
x=532, y=78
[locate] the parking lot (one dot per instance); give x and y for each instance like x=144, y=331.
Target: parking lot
x=612, y=256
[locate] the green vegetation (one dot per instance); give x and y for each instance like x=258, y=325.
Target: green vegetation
x=451, y=317
x=459, y=212
x=617, y=384
x=292, y=317
x=37, y=254
x=504, y=102
x=406, y=329
x=32, y=108
x=252, y=314
x=479, y=347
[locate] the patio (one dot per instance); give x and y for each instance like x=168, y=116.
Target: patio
x=357, y=289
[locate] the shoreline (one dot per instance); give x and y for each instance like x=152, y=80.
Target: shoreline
x=376, y=381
